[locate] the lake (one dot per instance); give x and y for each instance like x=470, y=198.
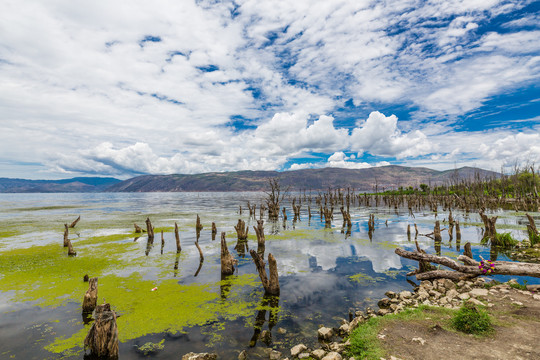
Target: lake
x=323, y=273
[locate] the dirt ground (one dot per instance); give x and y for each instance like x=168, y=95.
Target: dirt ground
x=516, y=336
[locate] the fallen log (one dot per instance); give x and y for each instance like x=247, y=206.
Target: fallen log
x=471, y=267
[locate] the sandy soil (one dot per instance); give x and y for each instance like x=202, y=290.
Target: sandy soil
x=517, y=333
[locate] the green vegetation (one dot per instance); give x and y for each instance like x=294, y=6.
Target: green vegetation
x=492, y=283
x=518, y=286
x=533, y=237
x=472, y=320
x=503, y=240
x=365, y=343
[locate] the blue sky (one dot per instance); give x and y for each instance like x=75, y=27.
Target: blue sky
x=132, y=87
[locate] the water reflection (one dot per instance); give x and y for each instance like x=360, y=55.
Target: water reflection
x=268, y=304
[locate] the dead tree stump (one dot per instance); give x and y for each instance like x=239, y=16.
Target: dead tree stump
x=241, y=230
x=259, y=231
x=532, y=225
x=150, y=230
x=198, y=225
x=138, y=229
x=177, y=237
x=102, y=339
x=75, y=222
x=214, y=231
x=437, y=231
x=458, y=231
x=271, y=283
x=489, y=225
x=467, y=250
x=90, y=297
x=66, y=234
x=227, y=260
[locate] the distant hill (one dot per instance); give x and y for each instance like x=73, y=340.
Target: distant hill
x=78, y=184
x=385, y=177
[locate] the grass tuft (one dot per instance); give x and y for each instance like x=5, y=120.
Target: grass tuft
x=472, y=320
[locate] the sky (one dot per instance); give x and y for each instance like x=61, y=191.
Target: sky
x=124, y=88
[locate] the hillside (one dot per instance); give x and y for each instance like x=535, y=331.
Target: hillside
x=79, y=184
x=315, y=179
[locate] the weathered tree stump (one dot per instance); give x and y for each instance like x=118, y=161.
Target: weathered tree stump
x=437, y=232
x=284, y=214
x=532, y=225
x=467, y=250
x=162, y=242
x=71, y=251
x=409, y=231
x=214, y=231
x=138, y=229
x=66, y=235
x=90, y=297
x=198, y=225
x=150, y=230
x=177, y=237
x=489, y=225
x=259, y=231
x=75, y=222
x=85, y=278
x=227, y=260
x=241, y=230
x=271, y=283
x=102, y=339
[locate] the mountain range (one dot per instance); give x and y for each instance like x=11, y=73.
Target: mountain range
x=380, y=178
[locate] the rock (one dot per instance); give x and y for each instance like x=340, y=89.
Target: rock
x=242, y=355
x=345, y=329
x=517, y=303
x=478, y=292
x=452, y=293
x=435, y=294
x=512, y=282
x=274, y=355
x=355, y=322
x=199, y=356
x=476, y=302
x=332, y=356
x=426, y=284
x=300, y=348
x=383, y=312
x=304, y=355
x=337, y=347
x=325, y=333
x=423, y=295
x=536, y=297
x=448, y=284
x=464, y=296
x=405, y=295
x=390, y=294
x=384, y=303
x=318, y=354
x=419, y=339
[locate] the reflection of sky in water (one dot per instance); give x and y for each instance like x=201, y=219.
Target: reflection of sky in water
x=317, y=267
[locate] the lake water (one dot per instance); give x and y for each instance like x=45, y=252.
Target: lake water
x=322, y=272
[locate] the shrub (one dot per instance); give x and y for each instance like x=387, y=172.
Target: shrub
x=472, y=320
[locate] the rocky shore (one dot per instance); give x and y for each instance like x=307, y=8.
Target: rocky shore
x=334, y=341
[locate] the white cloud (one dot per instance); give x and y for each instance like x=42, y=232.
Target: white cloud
x=81, y=90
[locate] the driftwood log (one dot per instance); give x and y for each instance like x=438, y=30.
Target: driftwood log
x=469, y=269
x=271, y=283
x=75, y=222
x=102, y=339
x=227, y=260
x=90, y=297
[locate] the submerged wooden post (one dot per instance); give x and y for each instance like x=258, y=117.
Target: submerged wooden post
x=271, y=283
x=198, y=225
x=90, y=297
x=177, y=236
x=102, y=339
x=227, y=260
x=75, y=222
x=259, y=231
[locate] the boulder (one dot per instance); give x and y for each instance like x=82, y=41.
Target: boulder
x=478, y=292
x=318, y=354
x=384, y=303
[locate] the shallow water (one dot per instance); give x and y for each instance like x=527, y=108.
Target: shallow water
x=323, y=272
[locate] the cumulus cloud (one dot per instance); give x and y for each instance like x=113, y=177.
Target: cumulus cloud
x=130, y=88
